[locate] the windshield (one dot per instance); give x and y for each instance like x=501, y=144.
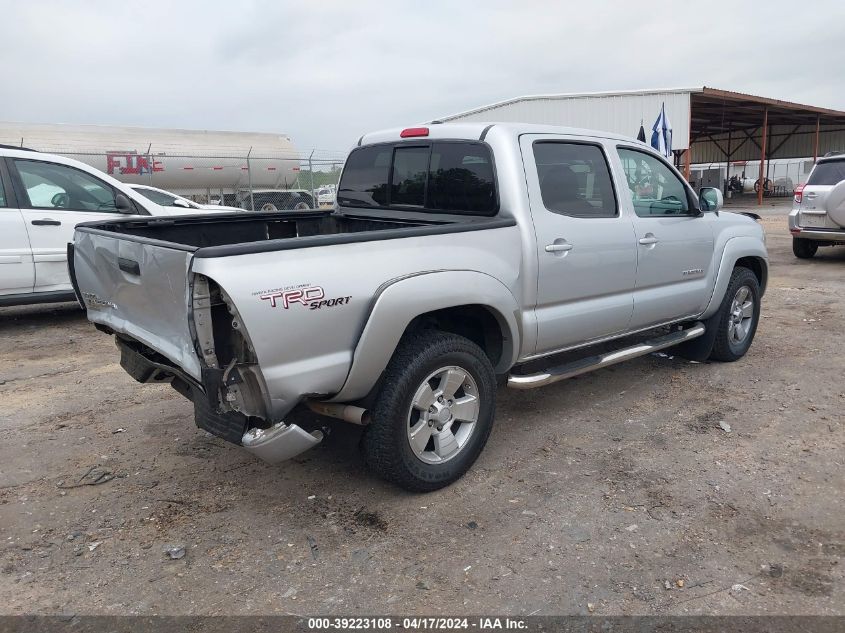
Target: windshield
x=828, y=173
x=163, y=198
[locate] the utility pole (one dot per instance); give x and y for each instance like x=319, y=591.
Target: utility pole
x=762, y=178
x=249, y=177
x=311, y=171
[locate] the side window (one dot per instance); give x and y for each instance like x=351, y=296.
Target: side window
x=2, y=195
x=461, y=178
x=364, y=181
x=54, y=186
x=654, y=188
x=575, y=179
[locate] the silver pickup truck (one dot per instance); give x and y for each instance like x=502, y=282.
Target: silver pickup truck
x=458, y=256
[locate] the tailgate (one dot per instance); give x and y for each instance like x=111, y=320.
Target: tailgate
x=138, y=289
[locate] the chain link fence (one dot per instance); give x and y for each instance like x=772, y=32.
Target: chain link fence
x=253, y=181
x=781, y=176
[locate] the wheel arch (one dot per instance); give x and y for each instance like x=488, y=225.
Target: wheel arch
x=759, y=266
x=469, y=303
x=481, y=324
x=739, y=251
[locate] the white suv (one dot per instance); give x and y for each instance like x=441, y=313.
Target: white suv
x=42, y=198
x=818, y=213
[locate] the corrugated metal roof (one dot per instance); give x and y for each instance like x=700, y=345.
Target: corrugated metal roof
x=698, y=115
x=563, y=96
x=616, y=112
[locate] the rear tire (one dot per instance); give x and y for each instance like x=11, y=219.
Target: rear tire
x=428, y=426
x=299, y=204
x=738, y=316
x=804, y=248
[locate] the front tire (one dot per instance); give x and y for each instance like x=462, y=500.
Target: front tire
x=803, y=248
x=738, y=316
x=434, y=412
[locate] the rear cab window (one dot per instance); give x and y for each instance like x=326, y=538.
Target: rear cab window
x=830, y=172
x=438, y=177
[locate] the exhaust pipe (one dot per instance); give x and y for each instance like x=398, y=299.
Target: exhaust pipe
x=346, y=412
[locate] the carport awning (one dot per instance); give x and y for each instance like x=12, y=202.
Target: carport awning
x=727, y=125
x=717, y=111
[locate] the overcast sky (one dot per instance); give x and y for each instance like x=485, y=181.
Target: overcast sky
x=324, y=72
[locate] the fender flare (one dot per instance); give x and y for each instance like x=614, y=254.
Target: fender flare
x=735, y=249
x=402, y=300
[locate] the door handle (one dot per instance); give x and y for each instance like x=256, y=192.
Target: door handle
x=649, y=240
x=812, y=195
x=129, y=266
x=558, y=248
x=46, y=222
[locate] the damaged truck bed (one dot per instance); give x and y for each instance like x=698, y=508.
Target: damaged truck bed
x=194, y=301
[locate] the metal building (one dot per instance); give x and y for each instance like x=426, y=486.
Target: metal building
x=709, y=125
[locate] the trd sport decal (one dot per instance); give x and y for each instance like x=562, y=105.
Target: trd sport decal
x=312, y=297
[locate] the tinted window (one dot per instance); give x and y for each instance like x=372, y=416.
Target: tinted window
x=410, y=166
x=654, y=188
x=828, y=173
x=54, y=186
x=364, y=181
x=454, y=177
x=575, y=180
x=2, y=195
x=461, y=178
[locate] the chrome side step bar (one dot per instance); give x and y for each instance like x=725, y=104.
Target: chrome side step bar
x=584, y=365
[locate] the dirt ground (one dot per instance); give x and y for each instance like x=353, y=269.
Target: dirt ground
x=618, y=488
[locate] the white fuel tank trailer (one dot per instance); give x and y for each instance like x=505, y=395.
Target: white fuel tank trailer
x=183, y=160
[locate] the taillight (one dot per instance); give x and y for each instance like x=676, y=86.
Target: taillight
x=799, y=193
x=414, y=131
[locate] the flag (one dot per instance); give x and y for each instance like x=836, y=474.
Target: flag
x=661, y=133
x=641, y=135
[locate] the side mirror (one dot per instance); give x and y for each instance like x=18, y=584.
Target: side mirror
x=180, y=203
x=124, y=204
x=710, y=199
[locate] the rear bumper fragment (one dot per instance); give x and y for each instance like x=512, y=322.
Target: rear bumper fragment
x=275, y=444
x=280, y=442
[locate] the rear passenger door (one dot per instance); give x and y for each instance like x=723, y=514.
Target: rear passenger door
x=56, y=198
x=586, y=251
x=17, y=273
x=674, y=241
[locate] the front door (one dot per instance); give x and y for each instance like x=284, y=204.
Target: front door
x=586, y=251
x=58, y=198
x=17, y=273
x=674, y=242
